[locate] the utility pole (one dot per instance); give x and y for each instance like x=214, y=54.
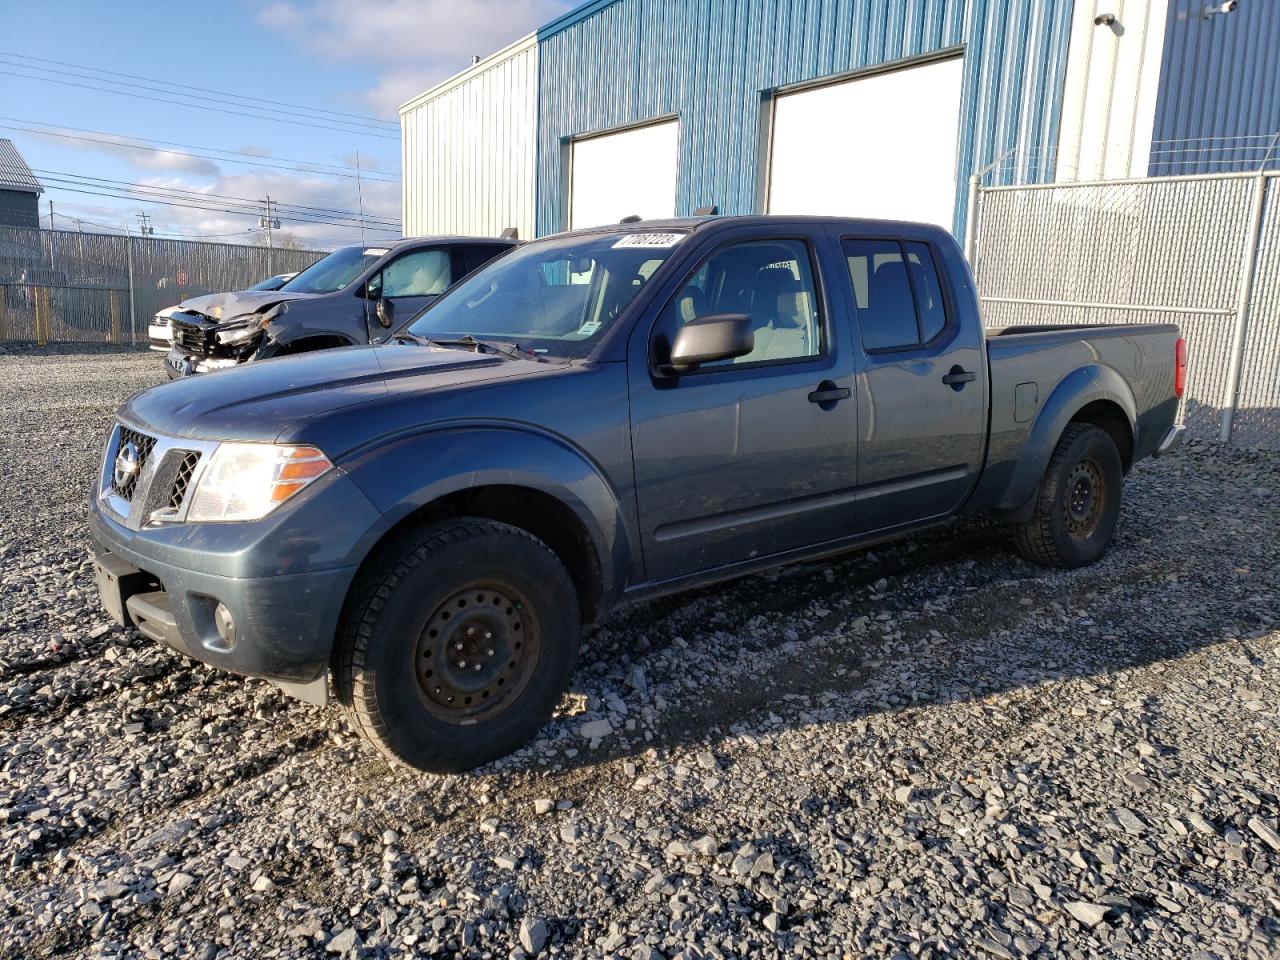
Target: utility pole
x=133, y=311
x=360, y=197
x=51, y=229
x=145, y=219
x=268, y=223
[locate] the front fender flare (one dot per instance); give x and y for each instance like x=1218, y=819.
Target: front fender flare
x=1073, y=393
x=402, y=475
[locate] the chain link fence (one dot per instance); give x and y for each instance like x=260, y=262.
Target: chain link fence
x=1202, y=252
x=62, y=285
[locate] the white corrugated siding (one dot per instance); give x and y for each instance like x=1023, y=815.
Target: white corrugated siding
x=469, y=149
x=1109, y=101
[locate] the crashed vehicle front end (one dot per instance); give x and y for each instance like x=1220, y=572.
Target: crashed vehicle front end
x=203, y=343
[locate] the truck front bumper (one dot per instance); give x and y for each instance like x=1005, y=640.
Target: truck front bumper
x=279, y=627
x=178, y=363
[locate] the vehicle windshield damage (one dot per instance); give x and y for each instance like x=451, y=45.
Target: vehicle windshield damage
x=553, y=298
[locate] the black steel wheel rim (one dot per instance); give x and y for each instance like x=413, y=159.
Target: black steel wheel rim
x=476, y=653
x=1085, y=499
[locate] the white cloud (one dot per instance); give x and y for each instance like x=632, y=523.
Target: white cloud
x=334, y=203
x=417, y=42
x=147, y=157
x=330, y=218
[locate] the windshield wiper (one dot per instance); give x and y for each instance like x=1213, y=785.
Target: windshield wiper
x=412, y=338
x=500, y=348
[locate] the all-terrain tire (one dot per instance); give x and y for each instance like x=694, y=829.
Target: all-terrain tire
x=457, y=643
x=1078, y=503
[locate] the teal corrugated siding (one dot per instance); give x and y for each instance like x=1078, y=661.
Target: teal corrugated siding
x=714, y=64
x=1219, y=103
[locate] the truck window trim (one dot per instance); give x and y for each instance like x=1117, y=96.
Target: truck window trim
x=949, y=323
x=819, y=293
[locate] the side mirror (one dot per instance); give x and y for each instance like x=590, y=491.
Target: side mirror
x=386, y=311
x=718, y=336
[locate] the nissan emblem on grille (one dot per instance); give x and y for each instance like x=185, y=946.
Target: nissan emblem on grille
x=127, y=465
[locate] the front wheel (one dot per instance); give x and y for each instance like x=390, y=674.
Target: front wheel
x=457, y=645
x=1078, y=503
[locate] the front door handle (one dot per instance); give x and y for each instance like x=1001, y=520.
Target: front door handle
x=958, y=377
x=828, y=394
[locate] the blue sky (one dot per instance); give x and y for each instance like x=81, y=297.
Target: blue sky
x=358, y=57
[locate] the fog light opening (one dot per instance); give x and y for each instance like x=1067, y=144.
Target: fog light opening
x=225, y=624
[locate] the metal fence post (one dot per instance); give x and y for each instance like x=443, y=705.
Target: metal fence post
x=42, y=316
x=971, y=223
x=133, y=313
x=1248, y=265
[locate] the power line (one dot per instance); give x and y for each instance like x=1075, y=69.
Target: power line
x=187, y=86
x=165, y=146
x=89, y=180
x=196, y=106
x=122, y=193
x=196, y=99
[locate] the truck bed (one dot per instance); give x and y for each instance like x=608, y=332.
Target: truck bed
x=1134, y=364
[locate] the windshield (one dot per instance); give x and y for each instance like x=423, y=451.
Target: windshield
x=271, y=283
x=335, y=271
x=553, y=297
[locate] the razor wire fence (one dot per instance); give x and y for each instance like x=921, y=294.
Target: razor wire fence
x=67, y=286
x=1200, y=251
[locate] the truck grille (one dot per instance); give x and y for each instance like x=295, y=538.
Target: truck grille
x=143, y=444
x=182, y=479
x=190, y=337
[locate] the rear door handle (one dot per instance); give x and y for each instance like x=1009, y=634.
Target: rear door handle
x=828, y=393
x=958, y=377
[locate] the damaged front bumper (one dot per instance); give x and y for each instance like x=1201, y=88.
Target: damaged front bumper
x=180, y=364
x=201, y=345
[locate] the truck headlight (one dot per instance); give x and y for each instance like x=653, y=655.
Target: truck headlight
x=246, y=481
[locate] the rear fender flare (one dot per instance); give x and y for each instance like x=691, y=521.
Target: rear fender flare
x=406, y=474
x=1072, y=394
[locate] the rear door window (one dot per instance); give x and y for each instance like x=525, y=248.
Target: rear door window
x=473, y=257
x=927, y=290
x=897, y=293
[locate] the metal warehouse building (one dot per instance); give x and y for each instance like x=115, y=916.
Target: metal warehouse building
x=858, y=107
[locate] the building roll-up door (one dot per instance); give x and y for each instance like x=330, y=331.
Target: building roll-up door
x=880, y=146
x=615, y=175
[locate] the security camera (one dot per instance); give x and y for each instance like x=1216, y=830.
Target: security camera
x=1213, y=8
x=1104, y=19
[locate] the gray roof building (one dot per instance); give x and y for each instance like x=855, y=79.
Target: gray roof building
x=14, y=172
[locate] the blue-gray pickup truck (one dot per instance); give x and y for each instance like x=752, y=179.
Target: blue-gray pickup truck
x=594, y=418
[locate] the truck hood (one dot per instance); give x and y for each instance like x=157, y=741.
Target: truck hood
x=225, y=306
x=259, y=400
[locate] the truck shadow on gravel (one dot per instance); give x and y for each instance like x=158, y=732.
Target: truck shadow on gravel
x=947, y=616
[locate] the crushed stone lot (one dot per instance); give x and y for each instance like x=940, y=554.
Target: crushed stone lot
x=930, y=749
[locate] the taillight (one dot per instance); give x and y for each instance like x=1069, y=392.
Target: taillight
x=1179, y=367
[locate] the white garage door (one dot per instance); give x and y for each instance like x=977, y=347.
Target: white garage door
x=882, y=146
x=616, y=175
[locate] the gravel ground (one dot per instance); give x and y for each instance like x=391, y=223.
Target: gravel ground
x=933, y=749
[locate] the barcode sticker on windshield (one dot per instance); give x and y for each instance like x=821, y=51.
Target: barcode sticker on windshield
x=650, y=240
x=375, y=251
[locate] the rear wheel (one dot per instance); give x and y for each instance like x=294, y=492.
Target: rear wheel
x=458, y=644
x=1078, y=503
